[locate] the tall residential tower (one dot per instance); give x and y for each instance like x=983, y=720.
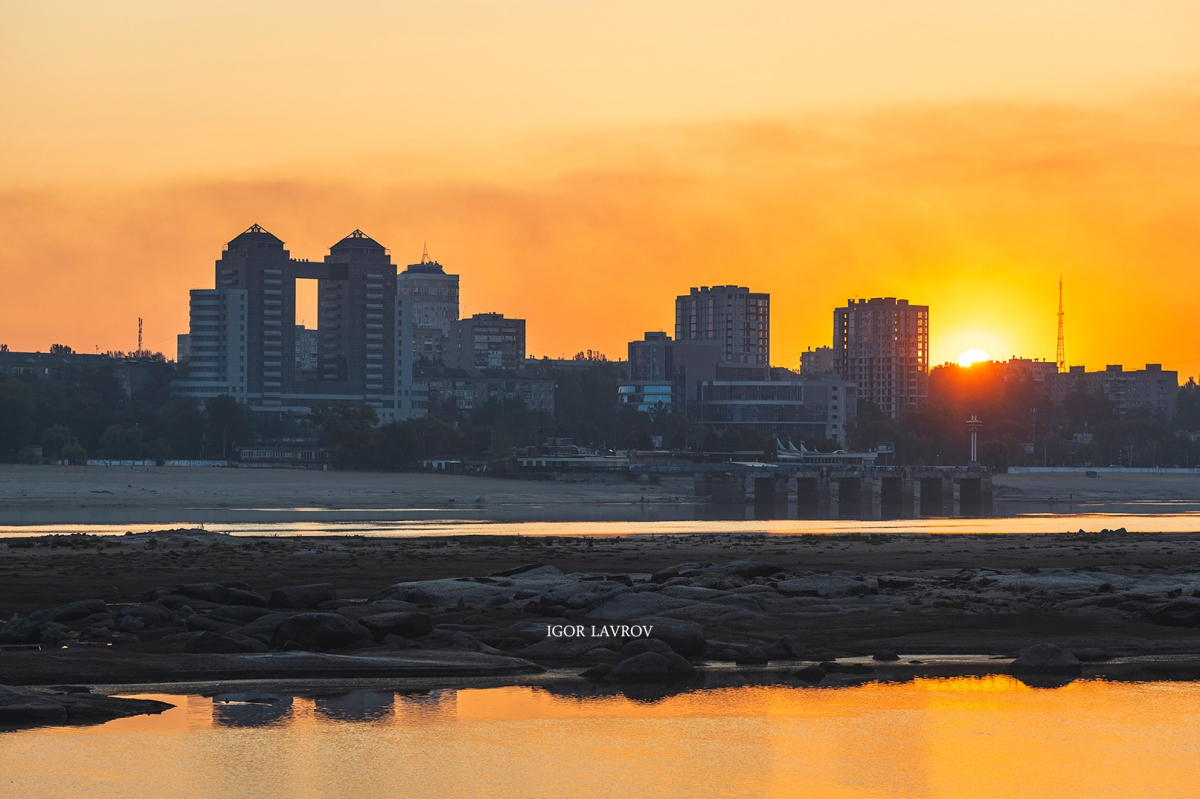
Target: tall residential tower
x=882, y=345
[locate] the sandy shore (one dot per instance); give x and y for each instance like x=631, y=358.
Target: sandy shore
x=103, y=488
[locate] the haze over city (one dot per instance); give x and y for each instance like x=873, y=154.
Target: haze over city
x=581, y=167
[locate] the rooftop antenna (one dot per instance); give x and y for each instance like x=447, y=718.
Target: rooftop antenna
x=425, y=253
x=1061, y=356
x=139, y=335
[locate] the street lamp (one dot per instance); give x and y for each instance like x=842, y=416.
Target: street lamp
x=973, y=425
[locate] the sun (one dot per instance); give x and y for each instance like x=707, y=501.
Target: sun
x=972, y=357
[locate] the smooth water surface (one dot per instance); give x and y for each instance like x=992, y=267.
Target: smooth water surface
x=302, y=522
x=961, y=737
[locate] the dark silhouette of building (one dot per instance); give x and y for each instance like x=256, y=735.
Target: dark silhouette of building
x=882, y=345
x=243, y=336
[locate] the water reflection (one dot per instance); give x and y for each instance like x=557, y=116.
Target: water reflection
x=985, y=736
x=251, y=710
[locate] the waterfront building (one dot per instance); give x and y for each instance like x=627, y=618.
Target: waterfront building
x=486, y=341
x=1153, y=389
x=882, y=345
x=733, y=317
x=244, y=340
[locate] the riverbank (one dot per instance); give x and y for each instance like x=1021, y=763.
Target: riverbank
x=198, y=606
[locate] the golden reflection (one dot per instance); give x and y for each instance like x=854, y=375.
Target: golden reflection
x=971, y=736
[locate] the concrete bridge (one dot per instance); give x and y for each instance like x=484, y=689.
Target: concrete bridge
x=931, y=488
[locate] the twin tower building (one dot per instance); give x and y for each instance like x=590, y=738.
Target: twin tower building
x=373, y=326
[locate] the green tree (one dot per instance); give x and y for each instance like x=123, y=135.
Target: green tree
x=54, y=438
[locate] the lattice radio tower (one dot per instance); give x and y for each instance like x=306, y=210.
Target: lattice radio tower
x=1061, y=357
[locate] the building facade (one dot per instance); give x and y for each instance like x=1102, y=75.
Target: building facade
x=882, y=346
x=244, y=340
x=820, y=362
x=1153, y=389
x=434, y=297
x=486, y=341
x=733, y=317
x=795, y=409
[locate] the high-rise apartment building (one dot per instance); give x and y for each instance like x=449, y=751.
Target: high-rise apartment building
x=737, y=319
x=882, y=345
x=243, y=336
x=434, y=296
x=487, y=341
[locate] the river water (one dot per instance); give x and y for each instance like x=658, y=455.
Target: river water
x=958, y=737
x=617, y=519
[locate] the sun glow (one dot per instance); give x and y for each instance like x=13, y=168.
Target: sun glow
x=972, y=357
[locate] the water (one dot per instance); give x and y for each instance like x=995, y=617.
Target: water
x=960, y=737
x=1156, y=517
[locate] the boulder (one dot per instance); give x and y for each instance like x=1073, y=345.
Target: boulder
x=238, y=596
x=597, y=672
x=787, y=647
x=443, y=593
x=204, y=643
x=318, y=632
x=1090, y=655
x=684, y=637
x=20, y=631
x=75, y=611
x=885, y=656
x=1046, y=659
x=646, y=667
x=301, y=596
x=749, y=569
x=19, y=706
x=631, y=605
x=639, y=645
x=751, y=656
x=1180, y=612
x=680, y=570
x=823, y=585
x=209, y=592
x=811, y=674
x=408, y=624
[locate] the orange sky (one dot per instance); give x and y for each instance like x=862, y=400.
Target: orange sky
x=581, y=164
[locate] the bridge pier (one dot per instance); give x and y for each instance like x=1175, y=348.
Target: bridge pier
x=771, y=490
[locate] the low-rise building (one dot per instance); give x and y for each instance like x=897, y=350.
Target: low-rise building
x=1151, y=389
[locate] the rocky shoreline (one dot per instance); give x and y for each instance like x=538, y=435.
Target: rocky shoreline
x=666, y=629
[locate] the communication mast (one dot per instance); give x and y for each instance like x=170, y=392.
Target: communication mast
x=425, y=254
x=139, y=352
x=1061, y=357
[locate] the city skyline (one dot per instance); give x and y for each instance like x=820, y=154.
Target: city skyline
x=931, y=165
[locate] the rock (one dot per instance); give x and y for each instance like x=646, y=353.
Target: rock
x=131, y=624
x=1091, y=655
x=631, y=605
x=75, y=611
x=20, y=631
x=408, y=624
x=318, y=632
x=242, y=614
x=238, y=596
x=276, y=576
x=684, y=637
x=640, y=645
x=751, y=656
x=683, y=569
x=597, y=672
x=26, y=707
x=1046, y=659
x=646, y=667
x=679, y=667
x=204, y=643
x=823, y=585
x=885, y=656
x=201, y=623
x=811, y=674
x=442, y=593
x=787, y=647
x=301, y=596
x=749, y=569
x=209, y=592
x=1180, y=612
x=125, y=638
x=529, y=569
